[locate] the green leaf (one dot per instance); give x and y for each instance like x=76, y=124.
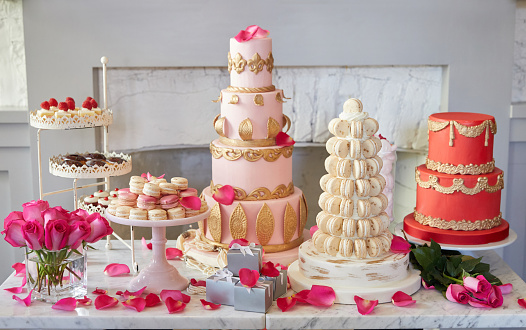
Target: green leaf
x=469, y=265
x=481, y=268
x=452, y=269
x=424, y=257
x=437, y=250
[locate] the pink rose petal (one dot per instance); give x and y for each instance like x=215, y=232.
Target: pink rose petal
x=302, y=295
x=86, y=301
x=426, y=286
x=286, y=303
x=457, y=293
x=522, y=302
x=100, y=291
x=240, y=241
x=402, y=299
x=248, y=277
x=269, y=269
x=147, y=246
x=20, y=269
x=104, y=301
x=321, y=295
x=312, y=230
x=283, y=139
x=194, y=282
x=209, y=305
x=225, y=195
x=116, y=269
x=152, y=300
x=173, y=253
x=400, y=245
x=365, y=306
x=506, y=288
x=16, y=289
x=130, y=295
x=26, y=301
x=174, y=306
x=175, y=295
x=137, y=304
x=191, y=202
x=284, y=267
x=65, y=304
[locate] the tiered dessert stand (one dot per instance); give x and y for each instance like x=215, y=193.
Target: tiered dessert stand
x=103, y=172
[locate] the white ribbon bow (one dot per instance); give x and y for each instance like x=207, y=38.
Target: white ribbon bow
x=244, y=249
x=223, y=273
x=259, y=284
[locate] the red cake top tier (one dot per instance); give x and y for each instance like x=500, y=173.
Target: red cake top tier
x=461, y=143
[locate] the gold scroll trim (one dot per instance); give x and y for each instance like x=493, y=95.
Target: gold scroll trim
x=462, y=225
x=461, y=168
x=265, y=89
x=250, y=143
x=251, y=155
x=258, y=194
x=458, y=185
x=268, y=248
x=467, y=131
x=255, y=64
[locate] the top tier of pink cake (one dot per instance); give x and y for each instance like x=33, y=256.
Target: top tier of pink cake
x=247, y=49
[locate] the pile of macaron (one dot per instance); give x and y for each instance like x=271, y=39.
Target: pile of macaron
x=152, y=198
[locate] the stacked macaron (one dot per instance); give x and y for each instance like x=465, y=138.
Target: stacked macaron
x=155, y=199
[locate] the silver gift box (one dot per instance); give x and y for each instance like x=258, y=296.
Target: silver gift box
x=256, y=299
x=279, y=283
x=220, y=291
x=237, y=260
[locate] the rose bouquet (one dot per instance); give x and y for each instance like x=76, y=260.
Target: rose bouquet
x=53, y=237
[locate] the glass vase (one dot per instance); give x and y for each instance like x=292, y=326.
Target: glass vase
x=53, y=275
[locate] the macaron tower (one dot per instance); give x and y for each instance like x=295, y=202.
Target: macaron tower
x=350, y=251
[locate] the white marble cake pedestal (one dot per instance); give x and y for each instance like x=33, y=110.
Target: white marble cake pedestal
x=345, y=294
x=159, y=275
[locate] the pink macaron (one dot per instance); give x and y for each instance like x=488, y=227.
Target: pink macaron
x=127, y=198
x=146, y=202
x=188, y=192
x=169, y=201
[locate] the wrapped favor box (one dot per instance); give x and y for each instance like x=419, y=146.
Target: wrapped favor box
x=256, y=299
x=220, y=289
x=247, y=257
x=279, y=283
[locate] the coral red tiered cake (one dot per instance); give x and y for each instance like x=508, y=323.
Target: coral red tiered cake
x=459, y=187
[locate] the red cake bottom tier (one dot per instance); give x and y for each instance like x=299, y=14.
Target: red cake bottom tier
x=475, y=237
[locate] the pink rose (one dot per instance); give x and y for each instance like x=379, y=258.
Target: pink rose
x=15, y=215
x=79, y=231
x=56, y=235
x=33, y=232
x=99, y=228
x=78, y=214
x=33, y=210
x=13, y=232
x=478, y=286
x=494, y=299
x=54, y=213
x=457, y=293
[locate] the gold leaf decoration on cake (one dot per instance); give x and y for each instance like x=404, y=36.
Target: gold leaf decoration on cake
x=463, y=225
x=201, y=225
x=264, y=225
x=258, y=100
x=219, y=125
x=229, y=63
x=270, y=62
x=237, y=63
x=279, y=98
x=256, y=64
x=458, y=185
x=251, y=155
x=286, y=98
x=304, y=211
x=219, y=99
x=273, y=128
x=245, y=130
x=290, y=223
x=286, y=123
x=471, y=169
x=234, y=99
x=238, y=223
x=261, y=193
x=214, y=223
x=265, y=89
x=464, y=130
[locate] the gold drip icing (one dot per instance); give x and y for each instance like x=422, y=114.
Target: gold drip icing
x=264, y=225
x=458, y=185
x=214, y=223
x=467, y=131
x=461, y=168
x=290, y=223
x=238, y=223
x=251, y=155
x=258, y=194
x=236, y=89
x=273, y=128
x=245, y=130
x=463, y=225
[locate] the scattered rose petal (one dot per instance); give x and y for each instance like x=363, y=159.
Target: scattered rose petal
x=191, y=202
x=100, y=291
x=248, y=277
x=402, y=299
x=321, y=295
x=225, y=195
x=16, y=289
x=240, y=241
x=282, y=266
x=457, y=293
x=286, y=303
x=175, y=295
x=65, y=304
x=194, y=282
x=283, y=139
x=426, y=286
x=130, y=295
x=174, y=306
x=312, y=230
x=152, y=300
x=302, y=295
x=209, y=305
x=116, y=269
x=147, y=246
x=173, y=253
x=136, y=304
x=400, y=245
x=473, y=302
x=506, y=288
x=104, y=301
x=20, y=269
x=365, y=306
x=26, y=301
x=86, y=301
x=522, y=302
x=119, y=293
x=269, y=269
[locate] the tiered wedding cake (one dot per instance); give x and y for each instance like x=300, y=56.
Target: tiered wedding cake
x=267, y=209
x=458, y=189
x=350, y=251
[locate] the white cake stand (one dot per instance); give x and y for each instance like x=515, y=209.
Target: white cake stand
x=159, y=275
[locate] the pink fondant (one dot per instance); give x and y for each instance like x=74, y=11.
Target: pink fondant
x=251, y=209
x=249, y=175
x=247, y=50
x=246, y=108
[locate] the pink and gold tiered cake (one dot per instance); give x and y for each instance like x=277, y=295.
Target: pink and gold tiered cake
x=267, y=209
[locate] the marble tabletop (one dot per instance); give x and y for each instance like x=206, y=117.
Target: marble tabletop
x=430, y=311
